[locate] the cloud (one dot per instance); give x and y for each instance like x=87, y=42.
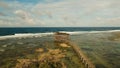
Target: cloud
x=112, y=22
x=65, y=13
x=3, y=4
x=2, y=14
x=25, y=16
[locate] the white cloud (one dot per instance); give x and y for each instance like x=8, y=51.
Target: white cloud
x=24, y=16
x=3, y=4
x=68, y=13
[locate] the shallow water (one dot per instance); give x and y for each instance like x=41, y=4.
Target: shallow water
x=102, y=51
x=25, y=48
x=101, y=48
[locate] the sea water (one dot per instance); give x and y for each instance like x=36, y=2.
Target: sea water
x=31, y=30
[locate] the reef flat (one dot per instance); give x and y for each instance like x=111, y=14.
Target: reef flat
x=37, y=52
x=103, y=48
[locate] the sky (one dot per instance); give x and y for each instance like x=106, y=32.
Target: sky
x=59, y=13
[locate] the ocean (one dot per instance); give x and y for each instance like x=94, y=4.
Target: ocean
x=100, y=44
x=23, y=30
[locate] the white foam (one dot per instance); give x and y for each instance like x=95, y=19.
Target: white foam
x=84, y=32
x=24, y=35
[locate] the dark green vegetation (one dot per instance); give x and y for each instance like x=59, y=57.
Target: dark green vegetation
x=103, y=49
x=15, y=51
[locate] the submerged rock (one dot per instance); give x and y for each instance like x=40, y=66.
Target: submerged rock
x=39, y=50
x=2, y=50
x=4, y=45
x=50, y=59
x=19, y=43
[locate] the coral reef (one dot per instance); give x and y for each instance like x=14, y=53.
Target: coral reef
x=50, y=59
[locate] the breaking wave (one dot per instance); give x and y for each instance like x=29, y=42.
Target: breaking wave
x=24, y=35
x=83, y=32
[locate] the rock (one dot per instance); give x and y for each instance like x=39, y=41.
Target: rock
x=64, y=45
x=2, y=50
x=4, y=46
x=39, y=50
x=19, y=43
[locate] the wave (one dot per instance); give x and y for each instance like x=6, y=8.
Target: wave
x=24, y=35
x=33, y=34
x=84, y=32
